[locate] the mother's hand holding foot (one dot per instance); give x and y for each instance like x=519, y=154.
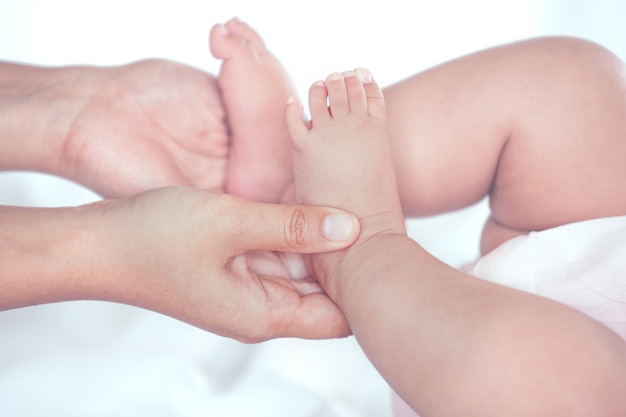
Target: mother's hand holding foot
x=205, y=258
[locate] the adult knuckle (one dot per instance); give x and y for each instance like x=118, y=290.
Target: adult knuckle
x=296, y=228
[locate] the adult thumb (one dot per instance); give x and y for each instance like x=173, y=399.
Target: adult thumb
x=294, y=228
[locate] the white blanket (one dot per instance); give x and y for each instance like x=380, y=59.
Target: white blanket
x=582, y=265
x=102, y=359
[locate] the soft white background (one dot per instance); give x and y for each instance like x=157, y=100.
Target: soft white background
x=88, y=358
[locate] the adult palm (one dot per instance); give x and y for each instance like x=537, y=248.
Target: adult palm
x=144, y=125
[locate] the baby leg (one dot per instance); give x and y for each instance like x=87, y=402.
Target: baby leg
x=343, y=157
x=418, y=320
x=538, y=125
x=255, y=88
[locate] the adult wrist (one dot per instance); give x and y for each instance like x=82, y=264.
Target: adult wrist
x=50, y=255
x=37, y=108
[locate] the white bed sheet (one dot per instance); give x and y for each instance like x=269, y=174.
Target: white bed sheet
x=101, y=359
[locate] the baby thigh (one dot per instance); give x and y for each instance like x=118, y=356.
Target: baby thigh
x=538, y=125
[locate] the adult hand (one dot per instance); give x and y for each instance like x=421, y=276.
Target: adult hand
x=148, y=124
x=207, y=259
x=116, y=130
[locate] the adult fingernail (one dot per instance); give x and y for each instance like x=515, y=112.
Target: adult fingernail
x=338, y=227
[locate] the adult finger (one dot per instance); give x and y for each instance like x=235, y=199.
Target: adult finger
x=291, y=228
x=317, y=317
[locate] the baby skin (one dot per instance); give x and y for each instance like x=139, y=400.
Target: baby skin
x=254, y=88
x=344, y=154
x=430, y=330
x=346, y=149
x=552, y=156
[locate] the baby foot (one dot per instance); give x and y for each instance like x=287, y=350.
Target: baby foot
x=343, y=157
x=255, y=87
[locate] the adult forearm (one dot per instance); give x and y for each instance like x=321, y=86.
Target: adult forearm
x=48, y=255
x=37, y=106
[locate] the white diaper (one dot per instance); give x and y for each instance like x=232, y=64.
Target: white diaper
x=582, y=265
